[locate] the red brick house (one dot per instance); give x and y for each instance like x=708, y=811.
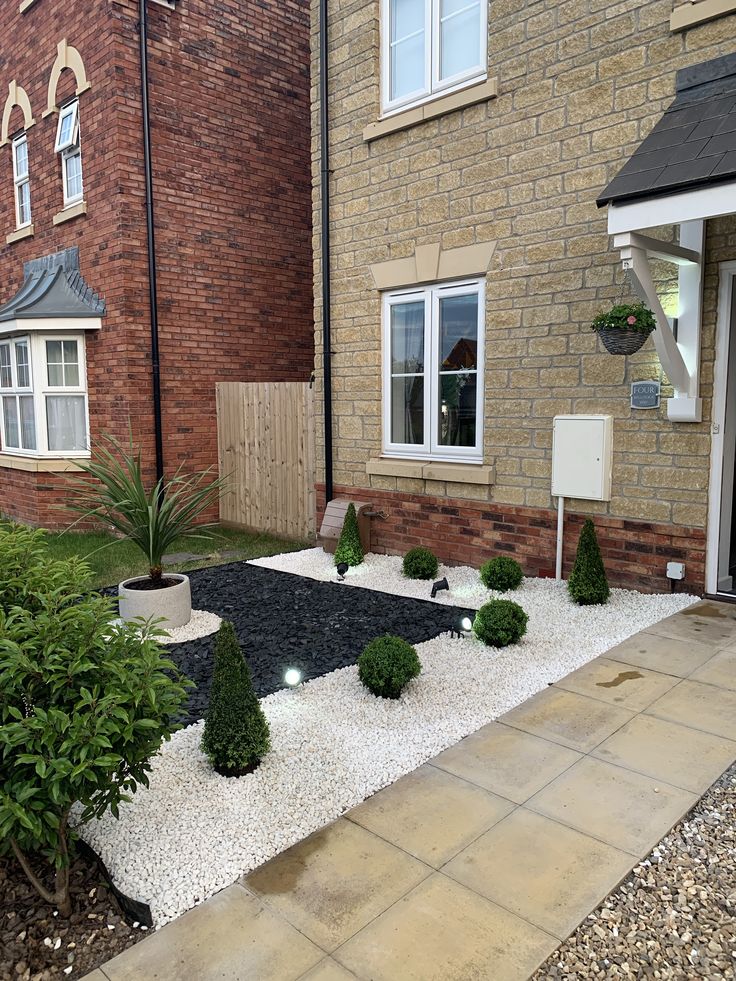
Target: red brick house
x=224, y=282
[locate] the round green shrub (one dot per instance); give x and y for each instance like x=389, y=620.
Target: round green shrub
x=387, y=665
x=501, y=574
x=500, y=623
x=420, y=563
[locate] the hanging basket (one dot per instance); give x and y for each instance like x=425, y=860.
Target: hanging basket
x=619, y=340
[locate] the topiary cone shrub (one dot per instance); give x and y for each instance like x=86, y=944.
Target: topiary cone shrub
x=349, y=548
x=236, y=735
x=387, y=665
x=500, y=623
x=588, y=584
x=420, y=563
x=502, y=573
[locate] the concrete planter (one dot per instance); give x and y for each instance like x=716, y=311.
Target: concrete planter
x=172, y=604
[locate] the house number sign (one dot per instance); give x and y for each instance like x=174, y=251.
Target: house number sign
x=645, y=394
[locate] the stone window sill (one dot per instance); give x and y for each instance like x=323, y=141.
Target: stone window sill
x=73, y=211
x=456, y=473
x=698, y=11
x=430, y=110
x=19, y=234
x=36, y=464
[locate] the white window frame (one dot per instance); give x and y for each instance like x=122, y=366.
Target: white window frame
x=20, y=181
x=431, y=448
x=70, y=149
x=434, y=87
x=41, y=389
x=16, y=392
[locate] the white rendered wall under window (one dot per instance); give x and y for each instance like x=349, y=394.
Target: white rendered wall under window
x=43, y=395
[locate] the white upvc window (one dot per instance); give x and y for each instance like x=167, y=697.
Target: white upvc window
x=433, y=343
x=43, y=396
x=430, y=48
x=68, y=144
x=22, y=182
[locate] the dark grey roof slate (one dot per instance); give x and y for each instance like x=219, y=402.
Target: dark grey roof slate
x=53, y=287
x=692, y=145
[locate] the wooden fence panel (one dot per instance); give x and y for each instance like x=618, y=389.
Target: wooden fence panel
x=265, y=434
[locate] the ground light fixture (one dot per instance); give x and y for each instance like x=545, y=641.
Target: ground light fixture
x=293, y=677
x=463, y=625
x=437, y=586
x=342, y=570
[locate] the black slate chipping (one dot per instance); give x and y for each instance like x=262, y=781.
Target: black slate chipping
x=694, y=143
x=283, y=620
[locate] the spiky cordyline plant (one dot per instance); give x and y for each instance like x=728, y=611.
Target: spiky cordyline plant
x=152, y=518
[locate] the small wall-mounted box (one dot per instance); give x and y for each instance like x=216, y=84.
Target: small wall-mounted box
x=582, y=457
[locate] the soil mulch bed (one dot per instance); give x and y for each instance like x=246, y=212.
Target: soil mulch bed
x=286, y=621
x=36, y=945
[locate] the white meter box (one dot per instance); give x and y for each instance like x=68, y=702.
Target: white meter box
x=582, y=454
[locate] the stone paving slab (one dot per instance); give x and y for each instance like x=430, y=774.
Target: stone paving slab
x=480, y=862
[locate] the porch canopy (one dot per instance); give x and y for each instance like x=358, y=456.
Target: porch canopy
x=54, y=296
x=682, y=174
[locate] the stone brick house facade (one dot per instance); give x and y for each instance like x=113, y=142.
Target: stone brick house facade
x=468, y=145
x=229, y=98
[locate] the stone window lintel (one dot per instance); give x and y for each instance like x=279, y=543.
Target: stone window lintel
x=691, y=12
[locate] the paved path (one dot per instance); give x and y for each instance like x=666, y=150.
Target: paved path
x=479, y=863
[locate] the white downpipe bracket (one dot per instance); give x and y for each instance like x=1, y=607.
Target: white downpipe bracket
x=560, y=530
x=680, y=358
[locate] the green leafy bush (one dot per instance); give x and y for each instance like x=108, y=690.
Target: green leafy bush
x=151, y=516
x=84, y=705
x=588, y=584
x=349, y=548
x=387, y=665
x=502, y=573
x=626, y=316
x=500, y=623
x=420, y=563
x=236, y=735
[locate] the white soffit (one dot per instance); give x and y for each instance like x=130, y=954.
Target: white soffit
x=672, y=209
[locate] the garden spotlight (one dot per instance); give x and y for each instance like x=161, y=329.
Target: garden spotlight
x=293, y=677
x=437, y=586
x=342, y=570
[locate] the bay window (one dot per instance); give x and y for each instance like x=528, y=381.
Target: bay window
x=433, y=372
x=22, y=182
x=43, y=396
x=68, y=144
x=431, y=47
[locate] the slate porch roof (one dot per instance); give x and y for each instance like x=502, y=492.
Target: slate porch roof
x=693, y=144
x=53, y=287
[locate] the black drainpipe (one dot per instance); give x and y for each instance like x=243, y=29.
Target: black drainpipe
x=152, y=275
x=326, y=290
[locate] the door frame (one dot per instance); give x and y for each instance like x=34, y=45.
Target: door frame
x=726, y=298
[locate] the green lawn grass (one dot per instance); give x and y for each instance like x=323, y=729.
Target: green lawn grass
x=120, y=559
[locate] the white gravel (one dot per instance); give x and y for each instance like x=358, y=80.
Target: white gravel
x=334, y=744
x=201, y=624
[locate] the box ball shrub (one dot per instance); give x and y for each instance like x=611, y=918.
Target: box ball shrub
x=236, y=734
x=387, y=665
x=420, y=563
x=500, y=623
x=588, y=584
x=349, y=548
x=502, y=573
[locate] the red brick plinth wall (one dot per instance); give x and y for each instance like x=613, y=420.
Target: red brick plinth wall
x=470, y=532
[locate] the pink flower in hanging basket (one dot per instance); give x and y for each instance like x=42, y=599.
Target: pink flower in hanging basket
x=631, y=321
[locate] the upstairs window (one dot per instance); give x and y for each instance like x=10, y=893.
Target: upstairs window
x=22, y=182
x=433, y=372
x=69, y=146
x=431, y=47
x=43, y=396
